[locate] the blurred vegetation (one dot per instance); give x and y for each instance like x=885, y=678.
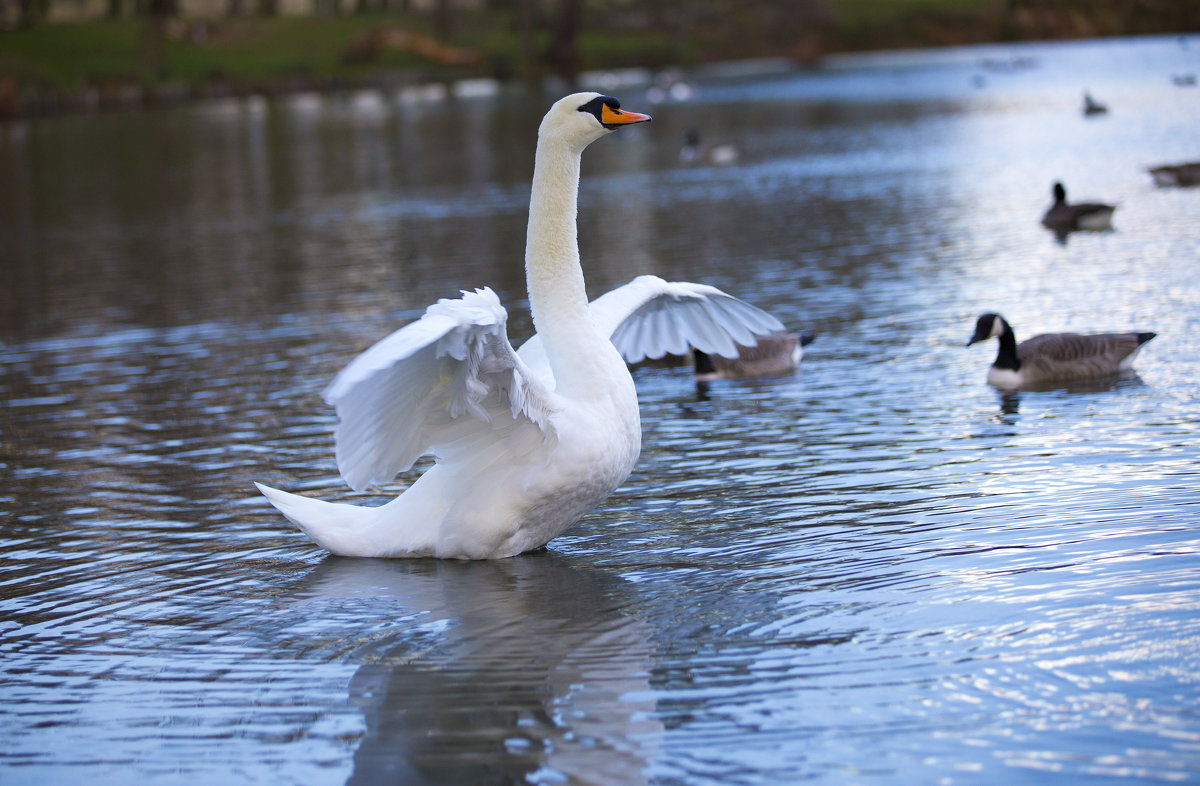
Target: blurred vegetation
x=155, y=52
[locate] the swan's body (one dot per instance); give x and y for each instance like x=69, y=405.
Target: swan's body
x=1063, y=217
x=1055, y=357
x=774, y=353
x=525, y=442
x=1177, y=174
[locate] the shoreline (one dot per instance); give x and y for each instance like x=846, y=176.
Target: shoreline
x=31, y=99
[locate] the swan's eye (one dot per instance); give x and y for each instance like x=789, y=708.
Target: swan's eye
x=598, y=105
x=607, y=110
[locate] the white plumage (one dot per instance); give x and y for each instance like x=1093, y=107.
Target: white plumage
x=525, y=443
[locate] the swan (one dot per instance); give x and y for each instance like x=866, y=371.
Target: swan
x=1055, y=357
x=775, y=353
x=1064, y=217
x=524, y=442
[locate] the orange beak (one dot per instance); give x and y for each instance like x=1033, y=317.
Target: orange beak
x=619, y=117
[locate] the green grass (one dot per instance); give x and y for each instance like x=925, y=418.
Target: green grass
x=876, y=23
x=254, y=52
x=72, y=55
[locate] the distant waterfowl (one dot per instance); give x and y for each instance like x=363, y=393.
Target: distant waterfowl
x=694, y=152
x=775, y=353
x=669, y=85
x=1064, y=217
x=524, y=442
x=1093, y=107
x=1177, y=174
x=1184, y=80
x=1055, y=357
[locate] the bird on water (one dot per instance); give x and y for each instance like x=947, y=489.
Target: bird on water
x=1055, y=357
x=1064, y=217
x=525, y=442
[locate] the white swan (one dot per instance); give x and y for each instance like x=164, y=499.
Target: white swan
x=525, y=442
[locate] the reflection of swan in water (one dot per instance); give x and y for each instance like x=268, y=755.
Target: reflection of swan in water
x=513, y=667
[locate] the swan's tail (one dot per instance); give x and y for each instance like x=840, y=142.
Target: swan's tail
x=334, y=526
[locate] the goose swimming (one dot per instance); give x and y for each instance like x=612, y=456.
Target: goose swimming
x=1177, y=174
x=1093, y=107
x=696, y=152
x=1064, y=217
x=524, y=442
x=1055, y=357
x=774, y=354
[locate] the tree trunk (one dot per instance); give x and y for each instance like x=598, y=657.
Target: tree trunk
x=32, y=12
x=564, y=54
x=443, y=21
x=154, y=40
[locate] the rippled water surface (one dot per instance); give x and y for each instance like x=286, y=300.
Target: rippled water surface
x=877, y=570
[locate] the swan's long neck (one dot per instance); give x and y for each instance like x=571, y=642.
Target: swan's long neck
x=557, y=296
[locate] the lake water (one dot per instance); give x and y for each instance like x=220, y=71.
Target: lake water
x=877, y=570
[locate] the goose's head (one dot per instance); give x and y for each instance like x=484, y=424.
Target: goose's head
x=988, y=326
x=582, y=118
x=1060, y=193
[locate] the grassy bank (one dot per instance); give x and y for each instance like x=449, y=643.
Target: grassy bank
x=54, y=67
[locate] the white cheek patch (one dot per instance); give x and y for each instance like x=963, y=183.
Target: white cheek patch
x=997, y=328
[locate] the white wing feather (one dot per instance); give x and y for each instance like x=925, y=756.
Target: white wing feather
x=650, y=317
x=451, y=380
x=450, y=376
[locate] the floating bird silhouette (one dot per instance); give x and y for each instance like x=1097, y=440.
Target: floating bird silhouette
x=527, y=441
x=1093, y=107
x=696, y=152
x=1177, y=174
x=774, y=353
x=1055, y=357
x=1064, y=217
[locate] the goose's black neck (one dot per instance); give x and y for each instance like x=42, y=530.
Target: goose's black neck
x=1007, y=358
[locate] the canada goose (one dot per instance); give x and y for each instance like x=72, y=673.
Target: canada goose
x=1055, y=357
x=1063, y=217
x=525, y=442
x=1093, y=107
x=669, y=85
x=1177, y=174
x=775, y=353
x=693, y=152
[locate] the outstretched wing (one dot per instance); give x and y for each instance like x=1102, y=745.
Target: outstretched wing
x=650, y=317
x=451, y=375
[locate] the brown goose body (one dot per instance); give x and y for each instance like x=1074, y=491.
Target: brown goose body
x=1056, y=357
x=1064, y=217
x=1177, y=174
x=775, y=353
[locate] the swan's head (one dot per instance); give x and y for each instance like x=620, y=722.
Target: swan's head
x=988, y=326
x=582, y=118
